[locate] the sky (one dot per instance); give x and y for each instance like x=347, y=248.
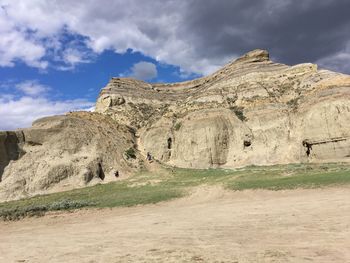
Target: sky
x=56, y=55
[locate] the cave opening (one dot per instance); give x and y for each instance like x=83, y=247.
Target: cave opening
x=169, y=143
x=100, y=172
x=308, y=148
x=247, y=143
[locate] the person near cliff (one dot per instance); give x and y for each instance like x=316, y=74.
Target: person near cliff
x=149, y=157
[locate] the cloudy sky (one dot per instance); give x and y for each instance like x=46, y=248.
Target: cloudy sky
x=55, y=56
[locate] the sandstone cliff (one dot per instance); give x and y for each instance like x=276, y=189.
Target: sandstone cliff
x=251, y=112
x=64, y=152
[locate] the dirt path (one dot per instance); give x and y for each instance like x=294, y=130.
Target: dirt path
x=209, y=226
x=152, y=166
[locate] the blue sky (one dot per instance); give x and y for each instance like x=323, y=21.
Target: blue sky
x=55, y=56
x=85, y=80
x=73, y=88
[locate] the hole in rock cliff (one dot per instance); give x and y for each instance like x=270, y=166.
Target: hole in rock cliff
x=247, y=143
x=308, y=147
x=169, y=143
x=31, y=143
x=100, y=172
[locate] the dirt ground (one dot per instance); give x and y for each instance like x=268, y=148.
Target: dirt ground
x=211, y=225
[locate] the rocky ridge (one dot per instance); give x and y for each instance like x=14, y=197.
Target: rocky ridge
x=63, y=152
x=251, y=112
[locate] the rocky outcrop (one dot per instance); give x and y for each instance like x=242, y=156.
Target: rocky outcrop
x=64, y=152
x=10, y=148
x=252, y=111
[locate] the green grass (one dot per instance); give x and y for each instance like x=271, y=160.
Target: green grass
x=104, y=195
x=145, y=187
x=130, y=153
x=18, y=212
x=177, y=126
x=239, y=112
x=302, y=180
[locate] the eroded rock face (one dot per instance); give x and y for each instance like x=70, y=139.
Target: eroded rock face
x=63, y=152
x=10, y=148
x=252, y=111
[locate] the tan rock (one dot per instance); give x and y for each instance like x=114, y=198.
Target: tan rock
x=64, y=152
x=252, y=111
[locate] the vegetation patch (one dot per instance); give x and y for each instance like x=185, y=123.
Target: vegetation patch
x=293, y=103
x=169, y=183
x=238, y=111
x=231, y=100
x=130, y=153
x=177, y=126
x=18, y=212
x=298, y=180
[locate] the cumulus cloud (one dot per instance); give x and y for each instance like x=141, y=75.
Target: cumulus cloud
x=15, y=44
x=339, y=61
x=20, y=111
x=36, y=38
x=196, y=35
x=144, y=70
x=32, y=88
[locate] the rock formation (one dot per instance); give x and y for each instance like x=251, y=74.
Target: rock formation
x=251, y=112
x=64, y=152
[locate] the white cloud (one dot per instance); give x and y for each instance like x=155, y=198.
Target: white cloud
x=143, y=70
x=70, y=57
x=20, y=111
x=14, y=44
x=38, y=37
x=152, y=29
x=340, y=61
x=197, y=36
x=32, y=88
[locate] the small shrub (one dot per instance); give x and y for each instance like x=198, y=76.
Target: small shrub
x=177, y=126
x=239, y=112
x=18, y=213
x=286, y=87
x=68, y=204
x=130, y=153
x=293, y=102
x=231, y=100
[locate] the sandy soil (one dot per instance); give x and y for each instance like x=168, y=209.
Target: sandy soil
x=211, y=225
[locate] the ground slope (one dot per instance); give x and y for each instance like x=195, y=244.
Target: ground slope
x=211, y=225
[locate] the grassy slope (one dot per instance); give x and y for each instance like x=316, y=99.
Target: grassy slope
x=145, y=188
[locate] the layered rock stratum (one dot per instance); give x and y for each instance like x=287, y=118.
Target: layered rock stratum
x=251, y=112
